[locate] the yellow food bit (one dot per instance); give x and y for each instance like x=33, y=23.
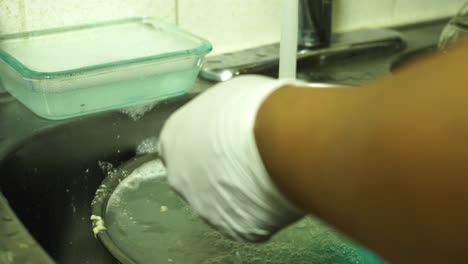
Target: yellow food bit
x=23, y=245
x=163, y=209
x=98, y=224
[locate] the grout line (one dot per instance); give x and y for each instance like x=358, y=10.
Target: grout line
x=393, y=15
x=22, y=9
x=177, y=21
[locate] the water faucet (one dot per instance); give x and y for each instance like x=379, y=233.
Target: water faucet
x=315, y=21
x=315, y=40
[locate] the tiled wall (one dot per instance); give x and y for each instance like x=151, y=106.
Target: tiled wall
x=228, y=24
x=20, y=15
x=237, y=24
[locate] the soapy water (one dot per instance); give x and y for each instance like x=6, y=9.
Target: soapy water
x=152, y=224
x=102, y=191
x=94, y=46
x=148, y=171
x=6, y=256
x=136, y=112
x=149, y=146
x=106, y=167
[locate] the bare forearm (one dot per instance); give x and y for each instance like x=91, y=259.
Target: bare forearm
x=387, y=164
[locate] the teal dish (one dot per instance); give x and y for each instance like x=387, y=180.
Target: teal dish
x=72, y=71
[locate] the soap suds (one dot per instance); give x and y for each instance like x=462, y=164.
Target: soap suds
x=149, y=146
x=108, y=170
x=105, y=166
x=150, y=170
x=136, y=112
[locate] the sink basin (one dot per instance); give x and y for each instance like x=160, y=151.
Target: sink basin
x=50, y=179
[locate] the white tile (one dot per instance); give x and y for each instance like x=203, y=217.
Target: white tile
x=12, y=14
x=40, y=14
x=421, y=10
x=354, y=14
x=232, y=24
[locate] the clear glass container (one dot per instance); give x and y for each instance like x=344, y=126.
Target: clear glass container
x=71, y=71
x=456, y=29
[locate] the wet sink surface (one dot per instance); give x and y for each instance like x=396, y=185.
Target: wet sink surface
x=50, y=178
x=49, y=170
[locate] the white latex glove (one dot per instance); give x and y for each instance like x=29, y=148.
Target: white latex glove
x=212, y=160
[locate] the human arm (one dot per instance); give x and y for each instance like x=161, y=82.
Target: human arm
x=386, y=164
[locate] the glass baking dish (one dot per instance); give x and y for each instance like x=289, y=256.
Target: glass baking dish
x=66, y=72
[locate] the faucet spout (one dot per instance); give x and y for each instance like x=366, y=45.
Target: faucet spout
x=315, y=42
x=315, y=23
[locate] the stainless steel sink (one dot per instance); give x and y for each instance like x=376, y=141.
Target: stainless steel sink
x=49, y=170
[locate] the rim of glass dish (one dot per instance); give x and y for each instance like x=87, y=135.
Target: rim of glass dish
x=101, y=199
x=204, y=48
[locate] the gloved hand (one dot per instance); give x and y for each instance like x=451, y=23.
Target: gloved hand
x=212, y=160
